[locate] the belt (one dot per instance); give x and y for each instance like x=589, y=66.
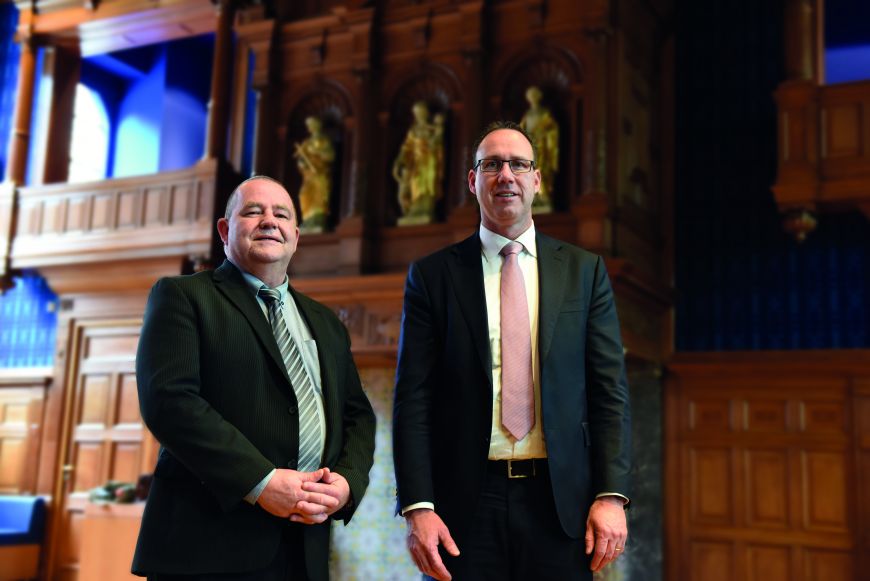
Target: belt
x=518, y=468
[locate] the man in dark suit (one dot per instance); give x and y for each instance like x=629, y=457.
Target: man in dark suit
x=251, y=390
x=544, y=500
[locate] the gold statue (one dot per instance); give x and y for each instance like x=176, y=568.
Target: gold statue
x=542, y=127
x=419, y=167
x=314, y=157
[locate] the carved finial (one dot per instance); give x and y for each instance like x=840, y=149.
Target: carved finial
x=799, y=222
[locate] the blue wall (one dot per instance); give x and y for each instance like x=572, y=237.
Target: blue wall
x=140, y=115
x=157, y=99
x=10, y=54
x=847, y=40
x=188, y=85
x=28, y=323
x=742, y=282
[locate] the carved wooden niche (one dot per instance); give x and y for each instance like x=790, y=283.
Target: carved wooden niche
x=438, y=89
x=557, y=76
x=328, y=103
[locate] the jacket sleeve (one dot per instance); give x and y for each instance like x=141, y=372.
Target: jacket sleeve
x=607, y=391
x=411, y=421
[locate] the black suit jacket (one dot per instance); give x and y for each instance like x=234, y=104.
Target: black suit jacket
x=214, y=391
x=443, y=401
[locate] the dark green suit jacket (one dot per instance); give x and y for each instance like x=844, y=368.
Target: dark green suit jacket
x=215, y=393
x=443, y=404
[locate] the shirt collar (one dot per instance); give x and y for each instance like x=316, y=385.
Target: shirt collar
x=255, y=284
x=492, y=243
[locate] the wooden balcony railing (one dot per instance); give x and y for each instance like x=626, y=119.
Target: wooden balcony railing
x=149, y=216
x=823, y=147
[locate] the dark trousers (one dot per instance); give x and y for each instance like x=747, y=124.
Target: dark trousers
x=516, y=534
x=288, y=564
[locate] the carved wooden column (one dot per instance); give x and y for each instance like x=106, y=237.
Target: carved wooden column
x=16, y=166
x=254, y=41
x=463, y=211
x=218, y=105
x=593, y=207
x=801, y=52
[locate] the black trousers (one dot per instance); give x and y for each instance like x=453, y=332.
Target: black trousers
x=288, y=564
x=516, y=534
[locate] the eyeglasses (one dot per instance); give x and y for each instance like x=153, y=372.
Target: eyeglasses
x=494, y=165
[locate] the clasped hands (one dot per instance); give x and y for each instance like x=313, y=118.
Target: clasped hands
x=305, y=497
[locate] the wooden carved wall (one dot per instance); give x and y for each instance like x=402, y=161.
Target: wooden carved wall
x=22, y=394
x=767, y=466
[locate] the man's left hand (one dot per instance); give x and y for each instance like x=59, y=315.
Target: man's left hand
x=606, y=530
x=332, y=484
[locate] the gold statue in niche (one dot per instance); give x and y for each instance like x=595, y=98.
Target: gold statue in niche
x=542, y=127
x=314, y=157
x=419, y=167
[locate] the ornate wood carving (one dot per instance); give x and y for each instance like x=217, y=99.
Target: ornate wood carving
x=824, y=158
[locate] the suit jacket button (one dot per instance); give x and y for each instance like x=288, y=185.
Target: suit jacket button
x=292, y=410
x=291, y=463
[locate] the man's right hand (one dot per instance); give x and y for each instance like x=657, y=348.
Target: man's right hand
x=425, y=531
x=284, y=496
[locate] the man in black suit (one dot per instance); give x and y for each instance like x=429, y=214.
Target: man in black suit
x=546, y=501
x=238, y=494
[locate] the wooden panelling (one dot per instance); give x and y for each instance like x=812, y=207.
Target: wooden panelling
x=138, y=217
x=842, y=130
x=765, y=416
x=767, y=494
x=767, y=563
x=767, y=462
x=711, y=561
x=12, y=457
x=834, y=565
x=711, y=475
x=825, y=491
x=22, y=393
x=713, y=415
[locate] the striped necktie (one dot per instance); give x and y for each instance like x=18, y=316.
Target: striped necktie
x=309, y=421
x=517, y=388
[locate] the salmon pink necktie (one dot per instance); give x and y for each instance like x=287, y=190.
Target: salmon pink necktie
x=517, y=390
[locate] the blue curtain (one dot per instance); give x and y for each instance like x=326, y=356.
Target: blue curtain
x=10, y=52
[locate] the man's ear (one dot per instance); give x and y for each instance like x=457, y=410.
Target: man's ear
x=223, y=227
x=471, y=185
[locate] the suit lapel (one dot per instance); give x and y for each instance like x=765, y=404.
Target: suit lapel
x=551, y=285
x=466, y=273
x=229, y=281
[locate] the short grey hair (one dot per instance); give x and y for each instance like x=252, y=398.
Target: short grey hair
x=231, y=201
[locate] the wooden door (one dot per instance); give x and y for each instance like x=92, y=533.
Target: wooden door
x=103, y=436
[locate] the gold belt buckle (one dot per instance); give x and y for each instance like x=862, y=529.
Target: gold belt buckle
x=511, y=470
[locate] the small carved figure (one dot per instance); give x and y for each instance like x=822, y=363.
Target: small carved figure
x=314, y=157
x=419, y=167
x=540, y=124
